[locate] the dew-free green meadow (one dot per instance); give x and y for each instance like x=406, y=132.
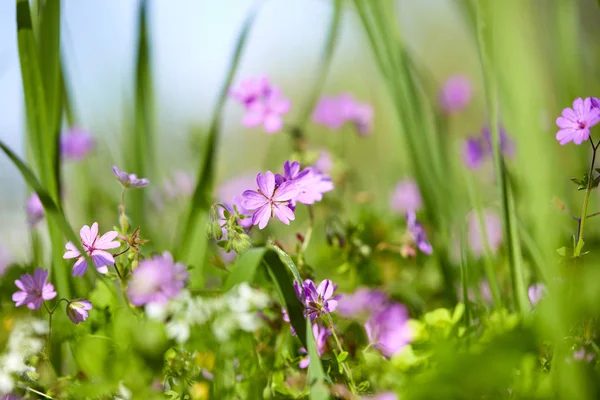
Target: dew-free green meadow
x=435, y=238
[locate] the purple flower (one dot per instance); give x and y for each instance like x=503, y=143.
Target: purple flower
x=34, y=290
x=406, y=197
x=317, y=300
x=455, y=94
x=384, y=396
x=581, y=354
x=336, y=111
x=310, y=183
x=10, y=396
x=251, y=90
x=267, y=112
x=77, y=310
x=270, y=200
x=129, y=180
x=362, y=303
x=324, y=163
x=5, y=260
x=388, y=330
x=493, y=232
x=418, y=234
x=473, y=153
x=477, y=149
x=576, y=122
x=34, y=210
x=321, y=334
x=156, y=280
x=75, y=144
x=286, y=318
x=95, y=247
x=536, y=292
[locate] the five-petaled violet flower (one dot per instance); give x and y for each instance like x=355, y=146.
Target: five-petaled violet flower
x=455, y=94
x=95, y=246
x=417, y=233
x=156, y=280
x=311, y=184
x=317, y=300
x=75, y=144
x=477, y=148
x=575, y=123
x=361, y=304
x=34, y=210
x=129, y=180
x=321, y=334
x=34, y=290
x=388, y=330
x=270, y=200
x=336, y=111
x=406, y=197
x=77, y=310
x=536, y=292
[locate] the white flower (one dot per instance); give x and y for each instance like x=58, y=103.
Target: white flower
x=178, y=330
x=6, y=382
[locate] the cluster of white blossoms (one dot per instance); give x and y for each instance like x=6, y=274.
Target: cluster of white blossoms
x=238, y=309
x=24, y=342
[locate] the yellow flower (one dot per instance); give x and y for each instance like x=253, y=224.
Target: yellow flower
x=199, y=391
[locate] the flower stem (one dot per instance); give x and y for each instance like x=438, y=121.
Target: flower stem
x=50, y=313
x=307, y=236
x=588, y=192
x=341, y=349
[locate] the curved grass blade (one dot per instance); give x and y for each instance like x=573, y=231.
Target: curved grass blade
x=316, y=374
x=245, y=267
x=202, y=197
x=287, y=260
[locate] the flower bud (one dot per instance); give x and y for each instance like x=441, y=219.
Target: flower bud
x=77, y=310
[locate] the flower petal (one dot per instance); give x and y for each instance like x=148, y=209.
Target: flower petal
x=284, y=213
x=106, y=241
x=253, y=200
x=261, y=216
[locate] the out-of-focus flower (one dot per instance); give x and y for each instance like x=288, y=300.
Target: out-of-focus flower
x=388, y=330
x=10, y=396
x=419, y=236
x=406, y=197
x=286, y=318
x=536, y=292
x=493, y=232
x=268, y=112
x=477, y=149
x=181, y=185
x=77, y=310
x=335, y=111
x=383, y=396
x=129, y=180
x=34, y=210
x=321, y=334
x=34, y=290
x=156, y=280
x=310, y=183
x=317, y=300
x=95, y=246
x=324, y=163
x=362, y=303
x=270, y=200
x=575, y=123
x=251, y=90
x=455, y=94
x=581, y=354
x=5, y=260
x=75, y=144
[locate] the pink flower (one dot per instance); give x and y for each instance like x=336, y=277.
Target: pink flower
x=388, y=331
x=317, y=300
x=267, y=112
x=251, y=90
x=336, y=111
x=324, y=163
x=77, y=310
x=157, y=280
x=576, y=122
x=406, y=197
x=34, y=210
x=129, y=180
x=270, y=200
x=493, y=232
x=455, y=94
x=75, y=144
x=310, y=183
x=321, y=334
x=536, y=293
x=34, y=290
x=95, y=246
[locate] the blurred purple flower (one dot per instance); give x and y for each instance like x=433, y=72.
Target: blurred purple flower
x=180, y=186
x=129, y=180
x=321, y=334
x=362, y=303
x=33, y=290
x=418, y=234
x=473, y=153
x=383, y=396
x=406, y=197
x=455, y=94
x=310, y=183
x=267, y=111
x=493, y=232
x=335, y=111
x=575, y=123
x=95, y=246
x=251, y=90
x=324, y=163
x=477, y=149
x=34, y=210
x=75, y=144
x=286, y=318
x=270, y=200
x=317, y=300
x=581, y=354
x=77, y=310
x=536, y=292
x=206, y=374
x=156, y=280
x=388, y=330
x=10, y=396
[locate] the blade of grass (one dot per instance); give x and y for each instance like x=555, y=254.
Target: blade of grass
x=316, y=374
x=485, y=42
x=245, y=267
x=202, y=197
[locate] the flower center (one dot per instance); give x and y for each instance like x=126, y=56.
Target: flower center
x=582, y=125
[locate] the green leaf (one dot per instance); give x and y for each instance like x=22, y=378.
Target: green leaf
x=245, y=267
x=285, y=258
x=316, y=374
x=562, y=251
x=342, y=356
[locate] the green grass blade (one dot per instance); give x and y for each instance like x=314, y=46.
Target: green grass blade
x=287, y=260
x=202, y=197
x=245, y=267
x=316, y=374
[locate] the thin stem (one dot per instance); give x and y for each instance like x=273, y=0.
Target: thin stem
x=50, y=313
x=591, y=215
x=588, y=192
x=123, y=252
x=56, y=305
x=307, y=236
x=341, y=349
